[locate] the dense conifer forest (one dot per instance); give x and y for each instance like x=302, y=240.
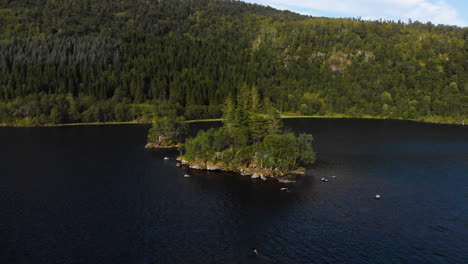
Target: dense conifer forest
x=68, y=61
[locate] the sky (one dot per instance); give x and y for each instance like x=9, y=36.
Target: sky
x=448, y=12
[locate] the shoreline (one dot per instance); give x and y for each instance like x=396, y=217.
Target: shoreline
x=371, y=118
x=155, y=145
x=288, y=116
x=253, y=172
x=79, y=124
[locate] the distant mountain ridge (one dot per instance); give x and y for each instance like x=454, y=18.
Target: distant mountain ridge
x=64, y=61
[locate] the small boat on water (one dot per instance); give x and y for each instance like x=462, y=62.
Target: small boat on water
x=186, y=176
x=166, y=158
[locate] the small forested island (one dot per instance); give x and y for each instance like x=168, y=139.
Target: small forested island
x=166, y=132
x=250, y=141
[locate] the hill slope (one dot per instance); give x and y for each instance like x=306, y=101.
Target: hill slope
x=87, y=60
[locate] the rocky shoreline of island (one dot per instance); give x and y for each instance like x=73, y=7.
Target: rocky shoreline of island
x=158, y=145
x=252, y=170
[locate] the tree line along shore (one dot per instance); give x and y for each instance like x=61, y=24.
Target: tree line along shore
x=148, y=121
x=86, y=61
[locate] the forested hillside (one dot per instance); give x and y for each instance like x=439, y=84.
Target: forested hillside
x=66, y=61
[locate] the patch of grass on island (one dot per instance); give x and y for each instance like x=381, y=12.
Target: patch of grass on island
x=205, y=120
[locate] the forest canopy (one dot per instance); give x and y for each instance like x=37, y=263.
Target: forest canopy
x=64, y=61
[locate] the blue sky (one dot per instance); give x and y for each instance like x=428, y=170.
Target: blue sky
x=449, y=12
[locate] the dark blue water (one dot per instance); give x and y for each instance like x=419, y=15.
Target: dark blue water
x=95, y=195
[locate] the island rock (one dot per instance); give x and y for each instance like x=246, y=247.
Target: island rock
x=254, y=171
x=157, y=145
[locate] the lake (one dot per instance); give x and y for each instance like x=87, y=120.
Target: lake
x=93, y=194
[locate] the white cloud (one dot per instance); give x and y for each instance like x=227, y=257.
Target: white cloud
x=438, y=12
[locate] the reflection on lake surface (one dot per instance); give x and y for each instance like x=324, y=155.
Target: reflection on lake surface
x=93, y=194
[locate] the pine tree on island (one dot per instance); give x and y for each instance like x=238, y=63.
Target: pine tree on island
x=250, y=141
x=168, y=129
